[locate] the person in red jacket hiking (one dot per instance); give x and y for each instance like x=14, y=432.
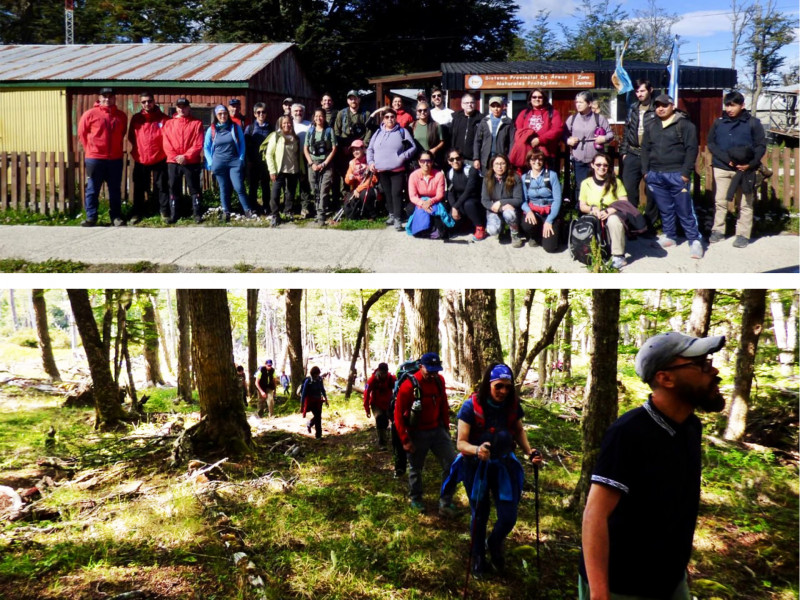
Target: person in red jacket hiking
x=101, y=131
x=377, y=398
x=147, y=149
x=183, y=145
x=422, y=419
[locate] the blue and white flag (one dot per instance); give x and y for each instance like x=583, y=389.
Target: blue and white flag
x=672, y=69
x=620, y=78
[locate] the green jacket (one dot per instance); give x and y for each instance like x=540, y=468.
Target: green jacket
x=273, y=147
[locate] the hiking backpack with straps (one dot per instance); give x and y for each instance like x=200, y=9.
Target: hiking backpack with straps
x=405, y=371
x=581, y=233
x=480, y=418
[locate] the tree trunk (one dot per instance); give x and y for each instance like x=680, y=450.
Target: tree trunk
x=568, y=344
x=521, y=349
x=223, y=426
x=401, y=343
x=108, y=411
x=252, y=340
x=512, y=322
x=150, y=344
x=785, y=332
x=547, y=337
x=754, y=304
x=450, y=298
x=40, y=311
x=162, y=333
x=184, y=347
x=542, y=371
x=108, y=320
x=294, y=335
x=480, y=312
x=600, y=402
x=13, y=307
x=424, y=320
x=362, y=329
x=700, y=319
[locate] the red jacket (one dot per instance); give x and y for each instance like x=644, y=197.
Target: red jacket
x=435, y=410
x=378, y=393
x=101, y=131
x=144, y=134
x=536, y=122
x=183, y=136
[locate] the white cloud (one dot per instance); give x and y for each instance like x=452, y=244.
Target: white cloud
x=559, y=9
x=702, y=23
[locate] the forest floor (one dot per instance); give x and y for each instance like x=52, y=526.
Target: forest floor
x=325, y=518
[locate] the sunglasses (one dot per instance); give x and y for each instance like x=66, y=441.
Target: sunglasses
x=422, y=111
x=600, y=166
x=261, y=112
x=703, y=363
x=436, y=95
x=424, y=161
x=389, y=118
x=503, y=386
x=541, y=160
x=537, y=97
x=455, y=159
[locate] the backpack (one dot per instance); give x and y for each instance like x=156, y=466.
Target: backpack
x=480, y=419
x=581, y=233
x=407, y=371
x=361, y=205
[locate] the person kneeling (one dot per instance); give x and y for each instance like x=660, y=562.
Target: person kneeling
x=542, y=191
x=502, y=199
x=426, y=191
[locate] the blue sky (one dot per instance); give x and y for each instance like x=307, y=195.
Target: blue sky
x=710, y=28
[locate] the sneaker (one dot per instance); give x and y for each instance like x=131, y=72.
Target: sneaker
x=418, y=506
x=227, y=217
x=448, y=510
x=517, y=242
x=304, y=214
x=274, y=220
x=435, y=235
x=715, y=237
x=390, y=220
x=533, y=243
x=88, y=223
x=134, y=219
x=696, y=249
x=618, y=262
x=740, y=242
x=118, y=223
x=480, y=234
x=249, y=214
x=398, y=226
x=666, y=242
x=308, y=426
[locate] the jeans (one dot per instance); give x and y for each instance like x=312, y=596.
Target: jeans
x=229, y=175
x=141, y=186
x=494, y=224
x=672, y=196
x=99, y=170
x=631, y=178
x=437, y=441
x=582, y=170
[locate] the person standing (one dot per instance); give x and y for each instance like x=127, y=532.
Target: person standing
x=301, y=127
x=150, y=161
x=440, y=113
x=312, y=397
x=422, y=419
x=536, y=128
x=428, y=134
x=236, y=114
x=101, y=131
x=377, y=398
x=464, y=127
x=285, y=383
x=286, y=105
x=257, y=173
x=265, y=384
x=495, y=135
x=320, y=150
x=643, y=502
x=586, y=133
x=737, y=144
x=641, y=114
x=183, y=145
x=669, y=151
x=283, y=156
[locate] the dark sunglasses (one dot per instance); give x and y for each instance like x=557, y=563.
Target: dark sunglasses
x=261, y=112
x=541, y=160
x=454, y=159
x=436, y=95
x=424, y=161
x=503, y=386
x=537, y=97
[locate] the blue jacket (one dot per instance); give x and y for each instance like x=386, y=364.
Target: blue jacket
x=727, y=133
x=208, y=144
x=254, y=136
x=536, y=192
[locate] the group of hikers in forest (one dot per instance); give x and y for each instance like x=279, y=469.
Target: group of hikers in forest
x=642, y=506
x=439, y=172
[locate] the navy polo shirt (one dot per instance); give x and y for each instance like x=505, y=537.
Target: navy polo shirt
x=496, y=428
x=656, y=464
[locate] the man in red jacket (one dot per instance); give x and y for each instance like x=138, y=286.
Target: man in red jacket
x=144, y=134
x=422, y=419
x=183, y=146
x=377, y=398
x=101, y=130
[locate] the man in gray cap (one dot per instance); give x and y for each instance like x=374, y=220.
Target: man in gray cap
x=642, y=506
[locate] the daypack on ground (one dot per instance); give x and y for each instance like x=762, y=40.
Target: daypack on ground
x=581, y=233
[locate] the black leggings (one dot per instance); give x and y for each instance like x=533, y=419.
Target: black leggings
x=550, y=244
x=393, y=184
x=474, y=211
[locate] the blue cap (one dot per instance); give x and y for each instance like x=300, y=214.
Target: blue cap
x=431, y=362
x=269, y=362
x=501, y=372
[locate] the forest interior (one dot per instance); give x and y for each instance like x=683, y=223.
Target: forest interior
x=134, y=464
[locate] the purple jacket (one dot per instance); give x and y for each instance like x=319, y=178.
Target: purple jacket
x=386, y=148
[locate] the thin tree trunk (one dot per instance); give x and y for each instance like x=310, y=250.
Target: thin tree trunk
x=568, y=343
x=521, y=349
x=252, y=339
x=184, y=346
x=542, y=371
x=294, y=299
x=785, y=332
x=512, y=320
x=151, y=343
x=162, y=334
x=600, y=404
x=108, y=318
x=40, y=312
x=401, y=345
x=394, y=329
x=450, y=298
x=754, y=303
x=362, y=328
x=700, y=319
x=13, y=307
x=547, y=337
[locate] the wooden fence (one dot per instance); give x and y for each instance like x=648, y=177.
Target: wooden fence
x=50, y=182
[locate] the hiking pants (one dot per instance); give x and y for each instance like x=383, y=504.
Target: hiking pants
x=506, y=513
x=393, y=184
x=672, y=196
x=286, y=182
x=400, y=456
x=494, y=221
x=257, y=176
x=316, y=419
x=381, y=424
x=321, y=182
x=141, y=186
x=744, y=224
x=99, y=170
x=631, y=178
x=268, y=401
x=437, y=441
x=549, y=244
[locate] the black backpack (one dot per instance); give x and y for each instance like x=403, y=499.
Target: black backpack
x=581, y=233
x=362, y=205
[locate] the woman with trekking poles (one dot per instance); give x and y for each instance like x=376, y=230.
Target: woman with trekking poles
x=489, y=428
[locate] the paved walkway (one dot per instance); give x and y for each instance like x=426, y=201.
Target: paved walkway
x=308, y=248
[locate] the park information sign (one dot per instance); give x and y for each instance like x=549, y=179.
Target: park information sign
x=528, y=80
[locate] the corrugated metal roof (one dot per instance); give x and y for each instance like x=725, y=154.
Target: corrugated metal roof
x=136, y=62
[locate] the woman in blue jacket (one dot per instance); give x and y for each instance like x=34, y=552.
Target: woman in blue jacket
x=224, y=150
x=541, y=191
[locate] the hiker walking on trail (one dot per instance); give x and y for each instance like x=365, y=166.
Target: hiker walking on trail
x=489, y=424
x=644, y=497
x=312, y=397
x=265, y=384
x=285, y=383
x=377, y=398
x=422, y=419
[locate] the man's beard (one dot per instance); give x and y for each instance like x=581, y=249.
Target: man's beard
x=708, y=399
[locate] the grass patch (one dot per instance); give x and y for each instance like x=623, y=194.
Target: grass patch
x=52, y=265
x=358, y=224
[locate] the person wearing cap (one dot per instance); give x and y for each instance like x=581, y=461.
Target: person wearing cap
x=265, y=384
x=422, y=419
x=183, y=144
x=643, y=502
x=669, y=151
x=585, y=134
x=377, y=398
x=236, y=114
x=489, y=426
x=495, y=135
x=359, y=178
x=257, y=173
x=287, y=111
x=101, y=131
x=150, y=161
x=464, y=127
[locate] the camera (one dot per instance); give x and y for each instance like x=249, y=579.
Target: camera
x=357, y=130
x=319, y=148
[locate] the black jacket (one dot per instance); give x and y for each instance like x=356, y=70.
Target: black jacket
x=727, y=133
x=463, y=132
x=462, y=186
x=482, y=148
x=630, y=138
x=670, y=149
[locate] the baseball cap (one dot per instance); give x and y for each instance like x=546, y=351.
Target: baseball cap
x=663, y=99
x=106, y=91
x=660, y=350
x=234, y=102
x=269, y=362
x=431, y=361
x=288, y=101
x=500, y=372
x=383, y=367
x=496, y=100
x=353, y=93
x=357, y=144
x=182, y=102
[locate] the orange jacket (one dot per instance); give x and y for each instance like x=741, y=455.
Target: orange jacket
x=101, y=131
x=144, y=134
x=356, y=178
x=183, y=136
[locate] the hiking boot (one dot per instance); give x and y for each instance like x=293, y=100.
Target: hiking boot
x=715, y=237
x=398, y=226
x=134, y=219
x=308, y=426
x=274, y=221
x=496, y=556
x=88, y=222
x=197, y=211
x=226, y=217
x=481, y=568
x=740, y=242
x=118, y=222
x=618, y=262
x=399, y=474
x=390, y=220
x=448, y=510
x=533, y=243
x=418, y=506
x=480, y=234
x=516, y=241
x=696, y=249
x=666, y=242
x=249, y=214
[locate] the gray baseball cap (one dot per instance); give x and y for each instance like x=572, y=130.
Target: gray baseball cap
x=660, y=350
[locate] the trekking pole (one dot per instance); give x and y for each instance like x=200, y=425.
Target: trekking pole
x=534, y=454
x=482, y=465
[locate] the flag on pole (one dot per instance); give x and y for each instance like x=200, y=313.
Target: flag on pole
x=620, y=78
x=672, y=69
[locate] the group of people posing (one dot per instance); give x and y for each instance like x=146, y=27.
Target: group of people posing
x=438, y=170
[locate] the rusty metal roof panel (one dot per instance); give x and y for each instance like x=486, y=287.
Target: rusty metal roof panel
x=136, y=62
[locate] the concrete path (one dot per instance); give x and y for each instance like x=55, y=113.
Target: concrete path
x=308, y=248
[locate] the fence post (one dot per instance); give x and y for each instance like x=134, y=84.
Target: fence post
x=51, y=174
x=4, y=181
x=14, y=181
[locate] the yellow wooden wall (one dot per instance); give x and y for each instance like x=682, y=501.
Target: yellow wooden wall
x=33, y=120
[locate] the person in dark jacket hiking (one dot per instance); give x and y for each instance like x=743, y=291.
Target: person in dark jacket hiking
x=422, y=419
x=643, y=502
x=312, y=397
x=377, y=398
x=265, y=384
x=489, y=428
x=732, y=133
